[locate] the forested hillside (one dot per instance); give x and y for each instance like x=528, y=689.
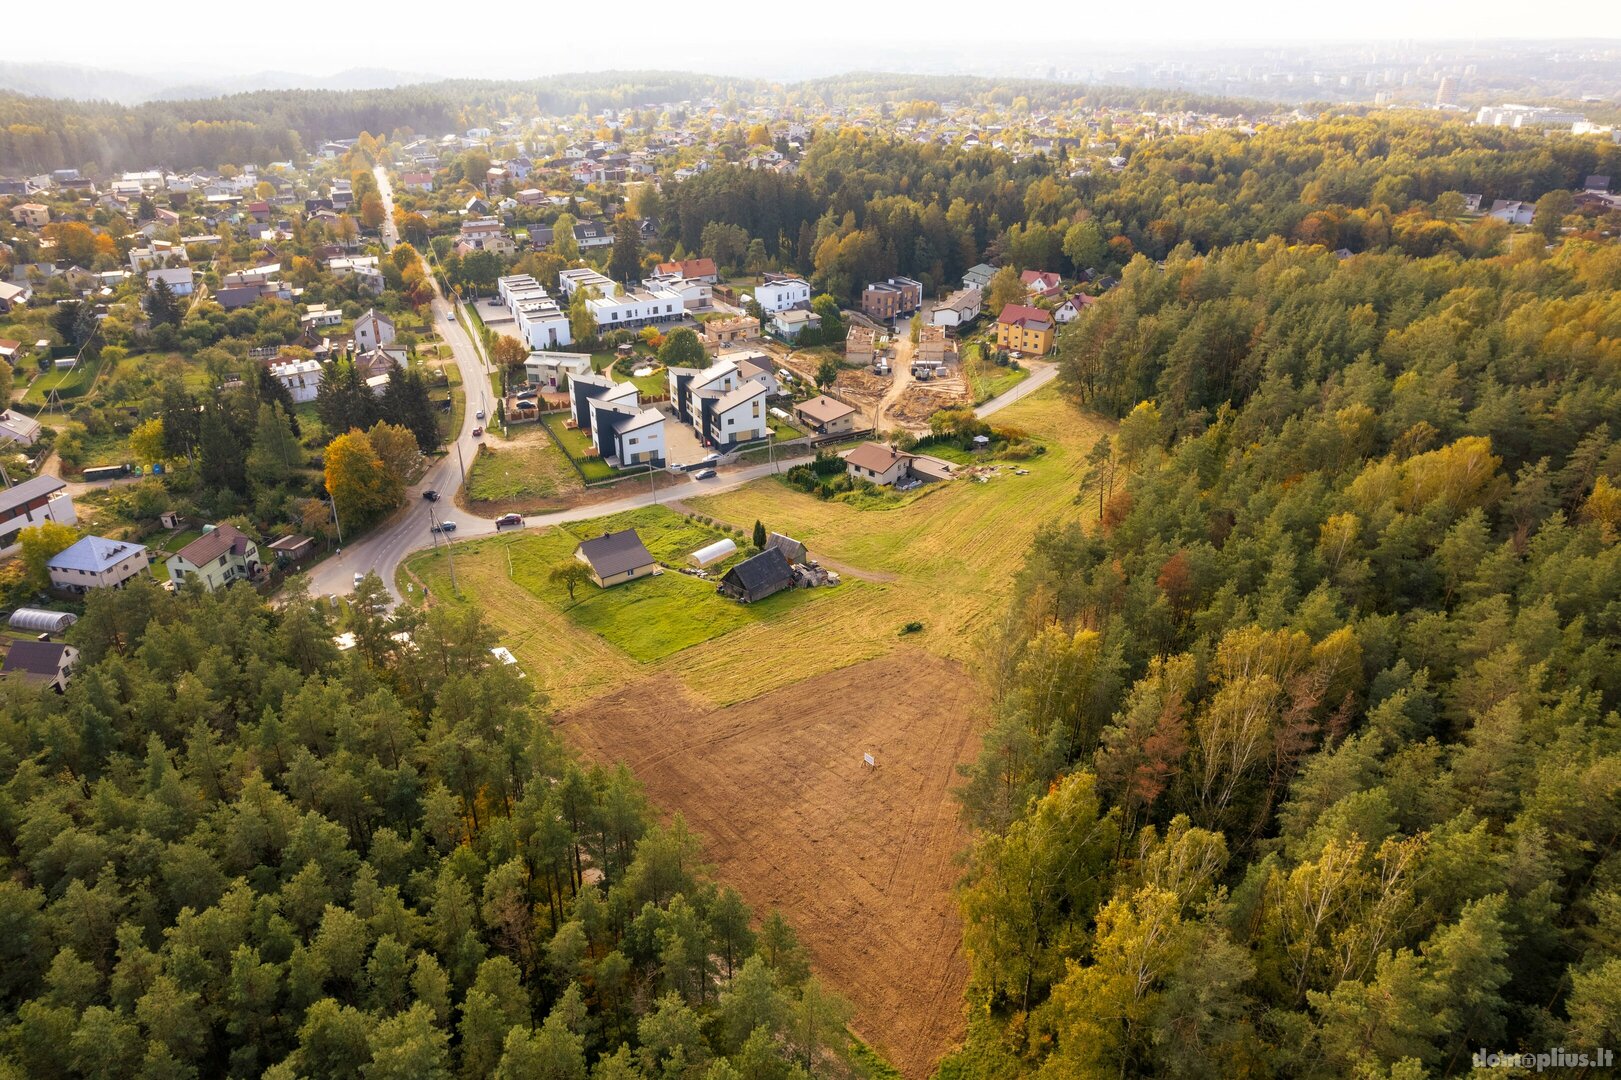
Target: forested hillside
x=1307, y=762
x=233, y=850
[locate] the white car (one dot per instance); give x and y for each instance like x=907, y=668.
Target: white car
x=359, y=577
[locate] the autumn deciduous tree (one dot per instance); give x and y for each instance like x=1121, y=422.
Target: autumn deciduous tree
x=508, y=354
x=39, y=543
x=361, y=485
x=682, y=348
x=570, y=575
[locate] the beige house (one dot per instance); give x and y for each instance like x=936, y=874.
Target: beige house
x=43, y=663
x=826, y=416
x=615, y=558
x=220, y=556
x=32, y=214
x=95, y=562
x=877, y=463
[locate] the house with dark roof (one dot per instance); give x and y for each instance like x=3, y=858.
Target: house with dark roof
x=616, y=557
x=42, y=498
x=758, y=576
x=43, y=663
x=221, y=555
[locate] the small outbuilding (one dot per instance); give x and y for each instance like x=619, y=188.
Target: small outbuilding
x=758, y=577
x=41, y=620
x=712, y=553
x=615, y=557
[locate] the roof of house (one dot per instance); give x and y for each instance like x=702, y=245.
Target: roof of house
x=1025, y=315
x=875, y=456
x=741, y=395
x=290, y=543
x=1045, y=278
x=823, y=409
x=615, y=553
x=29, y=490
x=797, y=315
x=689, y=268
x=94, y=554
x=35, y=658
x=214, y=543
x=770, y=567
x=21, y=425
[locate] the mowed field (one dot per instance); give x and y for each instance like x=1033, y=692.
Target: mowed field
x=755, y=729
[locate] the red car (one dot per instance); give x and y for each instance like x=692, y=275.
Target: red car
x=478, y=433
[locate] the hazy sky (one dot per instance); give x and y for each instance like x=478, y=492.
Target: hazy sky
x=532, y=38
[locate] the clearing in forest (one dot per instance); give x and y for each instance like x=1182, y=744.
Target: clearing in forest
x=751, y=720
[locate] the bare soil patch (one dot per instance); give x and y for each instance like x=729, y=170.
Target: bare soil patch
x=861, y=861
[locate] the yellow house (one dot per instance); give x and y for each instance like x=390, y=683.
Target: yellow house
x=1027, y=329
x=616, y=557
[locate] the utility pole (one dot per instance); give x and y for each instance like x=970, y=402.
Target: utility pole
x=336, y=523
x=450, y=556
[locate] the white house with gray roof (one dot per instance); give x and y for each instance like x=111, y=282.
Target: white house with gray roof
x=95, y=562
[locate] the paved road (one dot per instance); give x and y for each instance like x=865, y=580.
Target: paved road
x=408, y=530
x=1040, y=375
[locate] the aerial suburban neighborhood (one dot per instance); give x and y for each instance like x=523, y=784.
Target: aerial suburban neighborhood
x=1094, y=562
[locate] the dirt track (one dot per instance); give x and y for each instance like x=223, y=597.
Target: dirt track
x=860, y=860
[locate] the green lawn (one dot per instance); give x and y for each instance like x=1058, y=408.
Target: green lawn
x=68, y=383
x=529, y=466
x=577, y=444
x=647, y=619
x=988, y=380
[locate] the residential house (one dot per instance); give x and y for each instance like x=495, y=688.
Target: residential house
x=11, y=351
x=373, y=330
x=722, y=407
x=614, y=558
x=43, y=663
x=826, y=416
x=1042, y=284
x=221, y=555
x=695, y=295
x=33, y=215
x=891, y=298
x=361, y=267
x=417, y=181
x=978, y=277
x=17, y=428
x=1512, y=211
x=1071, y=308
x=1026, y=329
x=754, y=366
x=320, y=315
x=877, y=463
x=789, y=324
x=758, y=576
x=43, y=498
x=957, y=310
x=625, y=432
x=695, y=269
x=551, y=371
x=178, y=278
x=884, y=465
x=13, y=296
x=95, y=562
x=302, y=378
x=782, y=293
